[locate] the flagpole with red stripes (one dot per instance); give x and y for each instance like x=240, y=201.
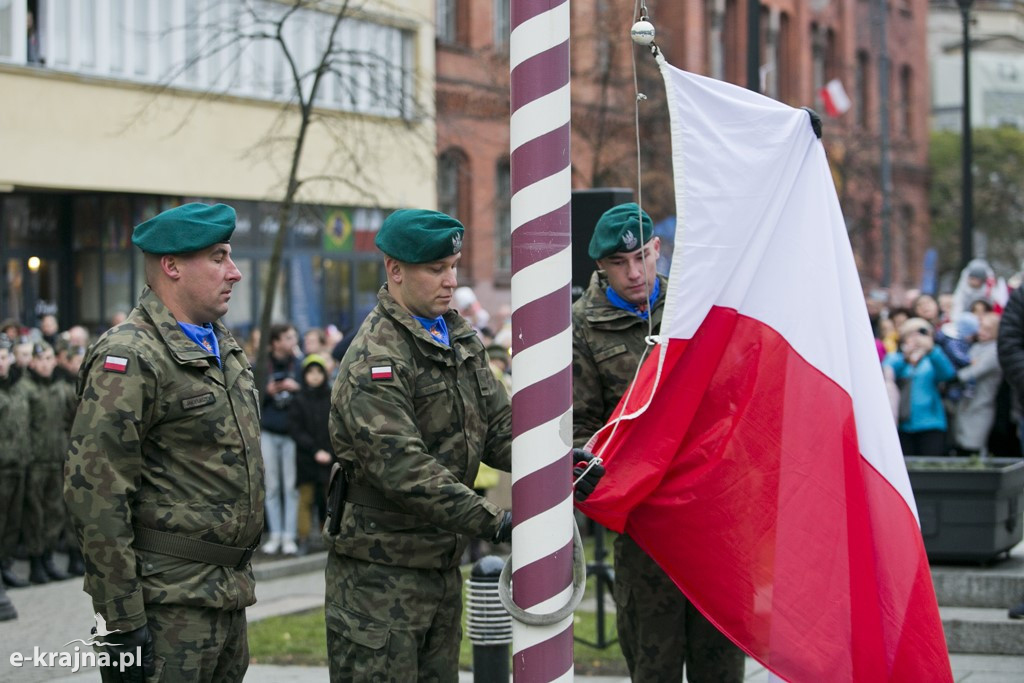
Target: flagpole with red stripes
x=542, y=537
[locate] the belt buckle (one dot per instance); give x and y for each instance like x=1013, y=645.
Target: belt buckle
x=248, y=553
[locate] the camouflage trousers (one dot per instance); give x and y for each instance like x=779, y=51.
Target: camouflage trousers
x=12, y=489
x=44, y=518
x=196, y=644
x=392, y=624
x=660, y=631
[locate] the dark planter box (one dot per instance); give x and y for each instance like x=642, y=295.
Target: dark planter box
x=969, y=512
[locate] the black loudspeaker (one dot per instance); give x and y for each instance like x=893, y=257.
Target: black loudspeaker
x=587, y=207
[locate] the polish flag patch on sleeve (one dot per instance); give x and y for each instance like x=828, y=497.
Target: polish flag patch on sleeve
x=380, y=372
x=115, y=364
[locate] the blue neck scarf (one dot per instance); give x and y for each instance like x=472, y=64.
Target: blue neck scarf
x=437, y=328
x=204, y=336
x=642, y=311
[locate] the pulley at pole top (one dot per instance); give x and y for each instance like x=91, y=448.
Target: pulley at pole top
x=642, y=32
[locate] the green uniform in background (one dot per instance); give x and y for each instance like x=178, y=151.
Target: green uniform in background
x=51, y=409
x=411, y=420
x=15, y=449
x=168, y=440
x=658, y=628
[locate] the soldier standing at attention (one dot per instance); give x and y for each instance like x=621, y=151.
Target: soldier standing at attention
x=14, y=456
x=414, y=411
x=51, y=405
x=164, y=477
x=659, y=630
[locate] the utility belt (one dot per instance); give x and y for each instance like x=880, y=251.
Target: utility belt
x=193, y=549
x=340, y=491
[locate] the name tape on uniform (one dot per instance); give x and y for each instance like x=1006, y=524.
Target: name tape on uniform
x=115, y=364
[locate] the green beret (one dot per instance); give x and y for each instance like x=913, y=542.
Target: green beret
x=419, y=236
x=618, y=230
x=185, y=228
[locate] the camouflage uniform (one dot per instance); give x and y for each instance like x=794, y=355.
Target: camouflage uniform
x=658, y=628
x=15, y=448
x=169, y=442
x=416, y=434
x=51, y=408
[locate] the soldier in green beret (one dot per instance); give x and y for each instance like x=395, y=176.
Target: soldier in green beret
x=164, y=475
x=414, y=411
x=659, y=630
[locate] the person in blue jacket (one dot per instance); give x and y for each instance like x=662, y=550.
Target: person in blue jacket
x=919, y=368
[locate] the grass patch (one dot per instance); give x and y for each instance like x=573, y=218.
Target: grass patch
x=300, y=639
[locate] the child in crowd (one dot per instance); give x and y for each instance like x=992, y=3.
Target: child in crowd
x=308, y=415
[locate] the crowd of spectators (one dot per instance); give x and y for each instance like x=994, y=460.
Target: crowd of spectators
x=942, y=372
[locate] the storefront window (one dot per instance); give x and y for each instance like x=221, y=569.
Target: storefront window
x=369, y=278
x=31, y=222
x=337, y=289
x=87, y=288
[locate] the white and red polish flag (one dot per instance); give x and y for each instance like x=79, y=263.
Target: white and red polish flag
x=834, y=96
x=755, y=458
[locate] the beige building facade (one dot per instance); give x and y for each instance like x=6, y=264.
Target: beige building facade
x=116, y=109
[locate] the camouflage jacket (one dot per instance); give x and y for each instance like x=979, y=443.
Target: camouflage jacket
x=163, y=439
x=15, y=444
x=51, y=405
x=607, y=343
x=412, y=419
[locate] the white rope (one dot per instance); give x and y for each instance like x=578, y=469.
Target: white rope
x=639, y=11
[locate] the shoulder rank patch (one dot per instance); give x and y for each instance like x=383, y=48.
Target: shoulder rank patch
x=380, y=372
x=115, y=364
x=197, y=401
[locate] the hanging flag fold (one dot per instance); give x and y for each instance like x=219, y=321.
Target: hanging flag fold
x=757, y=460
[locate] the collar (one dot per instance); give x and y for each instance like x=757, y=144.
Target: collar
x=436, y=327
x=180, y=346
x=642, y=311
x=458, y=327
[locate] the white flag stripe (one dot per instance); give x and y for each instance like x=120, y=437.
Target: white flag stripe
x=780, y=263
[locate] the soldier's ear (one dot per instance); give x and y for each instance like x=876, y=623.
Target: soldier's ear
x=394, y=270
x=169, y=265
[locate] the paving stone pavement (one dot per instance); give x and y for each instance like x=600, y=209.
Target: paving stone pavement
x=52, y=616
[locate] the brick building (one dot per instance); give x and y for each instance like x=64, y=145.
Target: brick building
x=803, y=45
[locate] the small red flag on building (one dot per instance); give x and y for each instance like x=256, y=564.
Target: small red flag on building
x=837, y=102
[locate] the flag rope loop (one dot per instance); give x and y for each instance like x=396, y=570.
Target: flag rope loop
x=579, y=584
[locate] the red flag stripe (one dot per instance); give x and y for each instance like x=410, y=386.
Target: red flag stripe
x=777, y=581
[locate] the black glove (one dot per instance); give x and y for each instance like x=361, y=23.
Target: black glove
x=121, y=646
x=504, y=532
x=586, y=485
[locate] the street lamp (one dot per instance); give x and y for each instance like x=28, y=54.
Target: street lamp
x=967, y=200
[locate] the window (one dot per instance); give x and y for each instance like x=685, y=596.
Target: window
x=192, y=44
x=862, y=89
x=502, y=23
x=450, y=173
x=447, y=21
x=503, y=216
x=906, y=101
